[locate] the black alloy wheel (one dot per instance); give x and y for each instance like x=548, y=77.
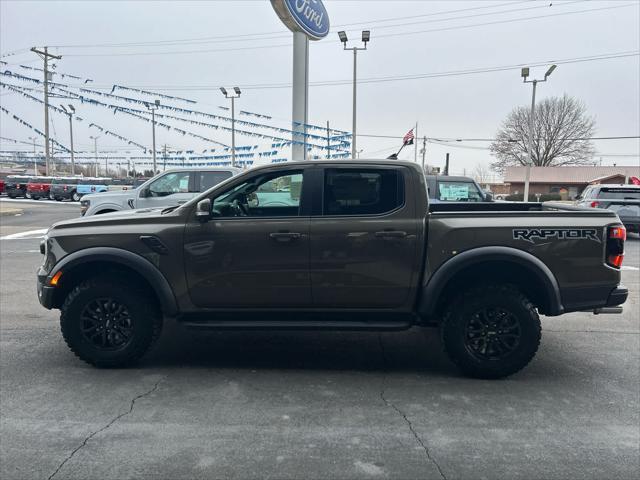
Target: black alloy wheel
x=492, y=333
x=106, y=324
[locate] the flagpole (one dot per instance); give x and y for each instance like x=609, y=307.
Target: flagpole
x=415, y=145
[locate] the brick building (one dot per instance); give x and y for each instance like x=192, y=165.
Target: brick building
x=568, y=182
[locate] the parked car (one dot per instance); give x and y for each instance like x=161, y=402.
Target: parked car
x=38, y=187
x=447, y=188
x=65, y=188
x=352, y=245
x=2, y=182
x=16, y=185
x=622, y=199
x=90, y=185
x=172, y=187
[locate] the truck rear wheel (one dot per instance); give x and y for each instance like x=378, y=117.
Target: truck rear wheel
x=491, y=332
x=109, y=323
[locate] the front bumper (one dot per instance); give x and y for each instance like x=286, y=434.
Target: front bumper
x=45, y=292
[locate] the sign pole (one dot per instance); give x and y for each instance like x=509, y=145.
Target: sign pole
x=300, y=103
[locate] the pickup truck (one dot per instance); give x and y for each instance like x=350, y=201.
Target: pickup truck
x=171, y=187
x=332, y=245
x=38, y=187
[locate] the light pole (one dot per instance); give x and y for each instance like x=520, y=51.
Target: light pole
x=233, y=120
x=70, y=113
x=153, y=107
x=95, y=152
x=366, y=36
x=525, y=74
x=35, y=159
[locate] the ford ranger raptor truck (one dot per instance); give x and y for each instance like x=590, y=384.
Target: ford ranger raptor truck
x=342, y=245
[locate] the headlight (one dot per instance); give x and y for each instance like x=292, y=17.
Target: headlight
x=84, y=206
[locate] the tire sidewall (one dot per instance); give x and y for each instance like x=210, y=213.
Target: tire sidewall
x=142, y=318
x=454, y=331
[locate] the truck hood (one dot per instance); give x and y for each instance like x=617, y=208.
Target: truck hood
x=124, y=217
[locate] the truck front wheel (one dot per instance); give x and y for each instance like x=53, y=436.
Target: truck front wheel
x=109, y=323
x=491, y=331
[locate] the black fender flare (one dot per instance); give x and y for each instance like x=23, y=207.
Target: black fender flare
x=149, y=272
x=433, y=289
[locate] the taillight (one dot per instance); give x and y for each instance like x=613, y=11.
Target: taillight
x=65, y=188
x=595, y=204
x=616, y=235
x=93, y=189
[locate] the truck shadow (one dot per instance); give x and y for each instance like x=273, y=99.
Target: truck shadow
x=415, y=350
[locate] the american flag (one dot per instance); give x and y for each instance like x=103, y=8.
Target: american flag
x=408, y=138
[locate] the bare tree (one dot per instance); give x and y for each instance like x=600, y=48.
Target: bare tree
x=481, y=173
x=561, y=135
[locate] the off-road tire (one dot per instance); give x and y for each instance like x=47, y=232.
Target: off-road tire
x=143, y=310
x=456, y=335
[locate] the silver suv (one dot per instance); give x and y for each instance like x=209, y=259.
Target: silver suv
x=167, y=189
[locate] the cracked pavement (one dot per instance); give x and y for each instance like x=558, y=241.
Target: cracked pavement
x=312, y=405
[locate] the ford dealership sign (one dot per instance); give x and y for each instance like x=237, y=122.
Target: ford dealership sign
x=306, y=16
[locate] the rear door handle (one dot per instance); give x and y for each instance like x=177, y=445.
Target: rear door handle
x=285, y=236
x=391, y=234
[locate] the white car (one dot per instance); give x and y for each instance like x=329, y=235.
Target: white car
x=167, y=189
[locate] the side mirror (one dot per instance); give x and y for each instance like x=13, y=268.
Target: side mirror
x=144, y=193
x=488, y=197
x=203, y=210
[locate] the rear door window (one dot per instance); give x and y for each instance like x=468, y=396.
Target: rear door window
x=206, y=180
x=370, y=191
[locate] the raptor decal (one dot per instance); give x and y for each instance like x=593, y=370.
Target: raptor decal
x=531, y=234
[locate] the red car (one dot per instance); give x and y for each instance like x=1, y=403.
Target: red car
x=1, y=186
x=38, y=187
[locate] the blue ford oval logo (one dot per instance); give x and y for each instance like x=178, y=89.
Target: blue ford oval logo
x=307, y=16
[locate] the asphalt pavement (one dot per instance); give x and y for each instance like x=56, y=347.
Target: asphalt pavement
x=308, y=404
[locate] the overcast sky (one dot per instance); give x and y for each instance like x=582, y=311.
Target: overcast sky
x=473, y=35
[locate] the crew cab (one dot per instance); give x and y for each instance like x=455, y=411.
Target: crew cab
x=622, y=199
x=16, y=185
x=332, y=245
x=38, y=187
x=171, y=187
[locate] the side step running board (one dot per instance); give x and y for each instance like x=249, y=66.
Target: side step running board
x=295, y=325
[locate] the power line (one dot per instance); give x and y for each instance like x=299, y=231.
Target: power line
x=186, y=52
x=391, y=78
x=279, y=33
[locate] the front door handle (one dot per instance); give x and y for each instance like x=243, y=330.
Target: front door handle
x=285, y=236
x=391, y=234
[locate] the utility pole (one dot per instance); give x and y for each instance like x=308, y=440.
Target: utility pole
x=233, y=120
x=153, y=107
x=35, y=159
x=164, y=156
x=45, y=56
x=446, y=165
x=328, y=142
x=70, y=113
x=415, y=145
x=366, y=36
x=95, y=152
x=524, y=74
x=424, y=151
